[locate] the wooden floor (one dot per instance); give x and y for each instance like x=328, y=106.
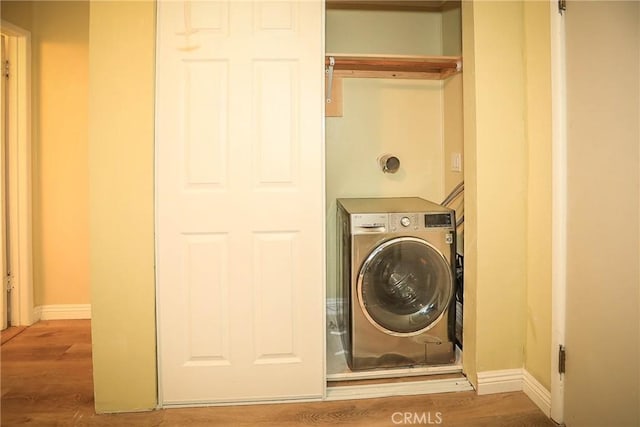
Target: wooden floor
x=47, y=381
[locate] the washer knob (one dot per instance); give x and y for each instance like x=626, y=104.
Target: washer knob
x=405, y=221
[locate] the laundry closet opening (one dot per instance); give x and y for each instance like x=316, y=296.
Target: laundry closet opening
x=394, y=131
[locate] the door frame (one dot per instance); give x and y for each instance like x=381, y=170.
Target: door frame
x=19, y=157
x=559, y=207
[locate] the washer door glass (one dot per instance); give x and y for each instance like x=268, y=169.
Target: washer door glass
x=404, y=286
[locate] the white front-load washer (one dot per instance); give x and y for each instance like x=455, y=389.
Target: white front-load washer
x=397, y=279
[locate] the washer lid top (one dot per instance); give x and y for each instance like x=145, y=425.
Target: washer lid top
x=405, y=286
x=390, y=205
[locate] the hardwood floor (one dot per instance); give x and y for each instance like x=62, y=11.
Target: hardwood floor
x=47, y=381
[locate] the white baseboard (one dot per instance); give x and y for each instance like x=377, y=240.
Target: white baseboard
x=503, y=381
x=537, y=393
x=398, y=389
x=508, y=380
x=62, y=311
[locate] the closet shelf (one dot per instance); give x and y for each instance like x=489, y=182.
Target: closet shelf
x=393, y=66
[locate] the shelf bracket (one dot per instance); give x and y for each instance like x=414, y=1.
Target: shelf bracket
x=329, y=71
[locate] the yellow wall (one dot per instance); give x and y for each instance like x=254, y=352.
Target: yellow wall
x=538, y=124
x=453, y=115
x=507, y=187
x=453, y=133
x=452, y=93
x=496, y=186
x=121, y=179
x=59, y=42
x=469, y=325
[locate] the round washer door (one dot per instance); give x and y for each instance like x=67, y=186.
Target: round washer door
x=404, y=286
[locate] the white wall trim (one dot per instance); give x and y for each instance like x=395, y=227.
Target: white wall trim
x=559, y=207
x=504, y=381
x=508, y=380
x=19, y=155
x=398, y=389
x=536, y=392
x=62, y=311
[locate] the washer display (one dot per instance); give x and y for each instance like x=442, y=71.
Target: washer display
x=397, y=282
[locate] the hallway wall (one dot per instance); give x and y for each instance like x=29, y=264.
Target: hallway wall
x=60, y=72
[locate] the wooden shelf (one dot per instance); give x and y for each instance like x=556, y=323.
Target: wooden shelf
x=399, y=5
x=394, y=66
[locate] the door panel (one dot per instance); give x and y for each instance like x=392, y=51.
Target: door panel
x=240, y=200
x=603, y=140
x=3, y=187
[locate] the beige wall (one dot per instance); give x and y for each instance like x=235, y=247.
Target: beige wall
x=59, y=38
x=453, y=114
x=469, y=328
x=537, y=359
x=121, y=146
x=452, y=31
x=453, y=122
x=383, y=32
x=496, y=186
x=453, y=133
x=507, y=187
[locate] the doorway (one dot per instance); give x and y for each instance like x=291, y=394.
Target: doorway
x=17, y=307
x=5, y=309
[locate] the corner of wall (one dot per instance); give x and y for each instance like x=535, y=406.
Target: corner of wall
x=538, y=117
x=471, y=210
x=121, y=203
x=510, y=380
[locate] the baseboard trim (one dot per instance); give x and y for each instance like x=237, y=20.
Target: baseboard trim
x=508, y=380
x=397, y=389
x=537, y=393
x=62, y=312
x=504, y=381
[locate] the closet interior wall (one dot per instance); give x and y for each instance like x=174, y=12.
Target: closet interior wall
x=418, y=121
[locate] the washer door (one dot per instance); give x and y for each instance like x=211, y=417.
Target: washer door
x=404, y=286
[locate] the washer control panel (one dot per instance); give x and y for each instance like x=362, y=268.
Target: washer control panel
x=399, y=222
x=405, y=222
x=368, y=223
x=438, y=220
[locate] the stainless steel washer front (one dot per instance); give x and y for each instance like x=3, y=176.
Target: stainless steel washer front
x=397, y=282
x=404, y=286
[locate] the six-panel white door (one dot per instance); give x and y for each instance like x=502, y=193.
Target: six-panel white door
x=240, y=200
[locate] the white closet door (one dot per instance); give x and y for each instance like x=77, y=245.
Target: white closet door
x=240, y=209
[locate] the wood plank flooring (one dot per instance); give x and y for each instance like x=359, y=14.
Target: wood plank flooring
x=47, y=381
